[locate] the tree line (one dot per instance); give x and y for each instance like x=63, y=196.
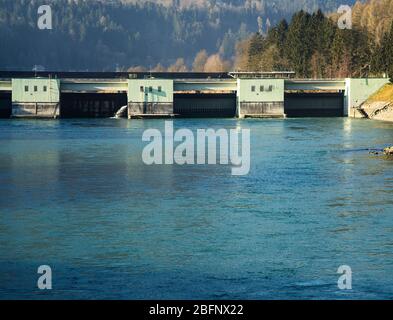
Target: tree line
x=99, y=35
x=314, y=46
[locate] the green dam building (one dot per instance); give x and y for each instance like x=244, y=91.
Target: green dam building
x=143, y=95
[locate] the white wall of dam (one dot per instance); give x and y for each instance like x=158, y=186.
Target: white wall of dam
x=38, y=97
x=357, y=91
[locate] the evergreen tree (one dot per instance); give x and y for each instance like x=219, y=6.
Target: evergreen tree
x=389, y=54
x=256, y=48
x=298, y=46
x=278, y=35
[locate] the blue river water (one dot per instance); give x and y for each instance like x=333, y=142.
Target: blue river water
x=75, y=195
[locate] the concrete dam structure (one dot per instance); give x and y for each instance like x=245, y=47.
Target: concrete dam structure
x=149, y=95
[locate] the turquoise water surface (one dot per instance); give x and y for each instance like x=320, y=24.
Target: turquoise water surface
x=75, y=195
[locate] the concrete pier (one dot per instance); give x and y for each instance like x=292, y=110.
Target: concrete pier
x=36, y=98
x=150, y=97
x=140, y=109
x=36, y=110
x=260, y=98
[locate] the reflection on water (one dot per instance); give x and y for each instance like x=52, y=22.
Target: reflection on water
x=74, y=194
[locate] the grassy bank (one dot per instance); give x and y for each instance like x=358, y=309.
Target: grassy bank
x=384, y=94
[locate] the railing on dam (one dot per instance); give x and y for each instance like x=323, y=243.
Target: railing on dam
x=113, y=75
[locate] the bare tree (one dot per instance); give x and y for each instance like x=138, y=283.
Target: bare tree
x=200, y=61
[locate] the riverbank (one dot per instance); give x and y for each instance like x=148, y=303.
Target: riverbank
x=380, y=105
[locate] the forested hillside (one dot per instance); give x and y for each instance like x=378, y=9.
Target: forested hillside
x=314, y=46
x=122, y=34
x=375, y=16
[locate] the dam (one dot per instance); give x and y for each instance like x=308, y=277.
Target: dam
x=152, y=94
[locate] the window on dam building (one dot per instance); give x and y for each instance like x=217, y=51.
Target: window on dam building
x=262, y=88
x=35, y=88
x=149, y=89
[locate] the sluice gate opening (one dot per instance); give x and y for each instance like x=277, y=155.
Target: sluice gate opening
x=301, y=104
x=5, y=104
x=91, y=105
x=205, y=105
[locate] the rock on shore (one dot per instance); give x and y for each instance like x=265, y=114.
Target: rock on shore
x=381, y=110
x=388, y=151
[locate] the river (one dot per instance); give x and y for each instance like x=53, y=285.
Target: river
x=75, y=195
